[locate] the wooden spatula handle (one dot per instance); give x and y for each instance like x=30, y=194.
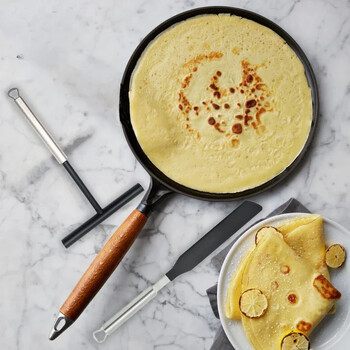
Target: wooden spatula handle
x=103, y=265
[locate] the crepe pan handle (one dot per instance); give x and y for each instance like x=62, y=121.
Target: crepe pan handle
x=107, y=259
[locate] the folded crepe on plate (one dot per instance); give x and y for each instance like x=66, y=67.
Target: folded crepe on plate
x=297, y=295
x=304, y=235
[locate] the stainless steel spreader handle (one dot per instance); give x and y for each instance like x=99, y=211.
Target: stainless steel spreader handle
x=129, y=310
x=50, y=143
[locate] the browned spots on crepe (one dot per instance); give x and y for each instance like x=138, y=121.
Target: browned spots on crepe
x=259, y=113
x=237, y=128
x=325, y=288
x=199, y=58
x=211, y=121
x=187, y=81
x=304, y=326
x=292, y=298
x=249, y=103
x=235, y=143
x=285, y=269
x=274, y=285
x=217, y=94
x=217, y=127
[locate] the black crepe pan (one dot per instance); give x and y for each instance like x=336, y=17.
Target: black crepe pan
x=124, y=106
x=161, y=185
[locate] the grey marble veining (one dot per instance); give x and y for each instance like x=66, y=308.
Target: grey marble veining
x=68, y=58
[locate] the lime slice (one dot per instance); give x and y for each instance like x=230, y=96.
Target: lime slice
x=262, y=231
x=295, y=341
x=335, y=256
x=253, y=303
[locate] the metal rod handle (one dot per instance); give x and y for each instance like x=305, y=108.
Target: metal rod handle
x=129, y=310
x=82, y=187
x=38, y=127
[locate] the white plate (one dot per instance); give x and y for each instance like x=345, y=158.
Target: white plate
x=333, y=332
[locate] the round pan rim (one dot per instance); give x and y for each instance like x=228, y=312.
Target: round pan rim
x=124, y=104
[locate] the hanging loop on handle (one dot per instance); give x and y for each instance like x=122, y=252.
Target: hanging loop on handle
x=129, y=310
x=50, y=143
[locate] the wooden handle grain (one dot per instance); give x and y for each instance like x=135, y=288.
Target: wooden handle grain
x=103, y=265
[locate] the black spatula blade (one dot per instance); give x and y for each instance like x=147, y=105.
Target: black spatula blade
x=214, y=238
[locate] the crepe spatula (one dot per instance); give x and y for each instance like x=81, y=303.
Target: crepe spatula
x=186, y=262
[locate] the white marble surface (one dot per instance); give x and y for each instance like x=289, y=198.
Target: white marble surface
x=67, y=57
